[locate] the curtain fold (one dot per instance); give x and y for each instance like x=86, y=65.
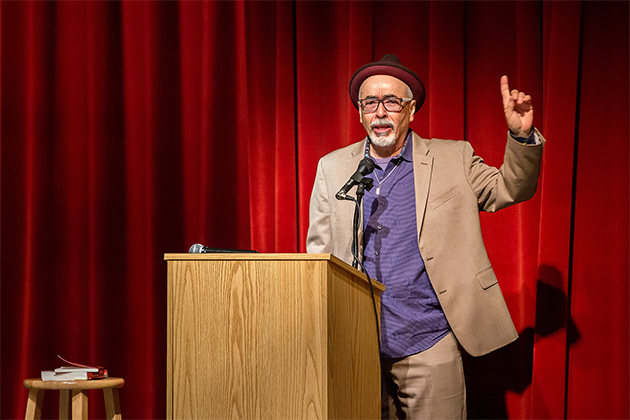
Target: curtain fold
x=561, y=31
x=270, y=107
x=598, y=352
x=135, y=128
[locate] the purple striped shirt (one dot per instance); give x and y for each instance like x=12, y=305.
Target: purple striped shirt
x=412, y=319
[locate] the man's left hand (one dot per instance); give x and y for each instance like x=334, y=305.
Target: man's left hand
x=518, y=109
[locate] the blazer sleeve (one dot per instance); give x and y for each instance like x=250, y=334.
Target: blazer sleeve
x=514, y=182
x=319, y=236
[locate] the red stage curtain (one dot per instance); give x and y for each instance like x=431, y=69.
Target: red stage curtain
x=130, y=129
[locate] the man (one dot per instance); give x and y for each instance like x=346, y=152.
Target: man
x=422, y=236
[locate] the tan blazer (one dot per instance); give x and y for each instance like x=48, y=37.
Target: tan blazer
x=452, y=185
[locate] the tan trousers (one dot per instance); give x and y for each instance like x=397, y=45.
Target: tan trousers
x=426, y=385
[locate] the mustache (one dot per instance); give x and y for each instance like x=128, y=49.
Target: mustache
x=383, y=121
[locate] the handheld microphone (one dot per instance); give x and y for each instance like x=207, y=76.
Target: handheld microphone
x=200, y=249
x=366, y=167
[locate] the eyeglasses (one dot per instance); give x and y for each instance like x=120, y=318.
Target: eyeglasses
x=391, y=104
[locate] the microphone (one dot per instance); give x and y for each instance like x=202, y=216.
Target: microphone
x=366, y=167
x=200, y=249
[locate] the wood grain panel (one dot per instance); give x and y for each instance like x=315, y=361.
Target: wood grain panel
x=353, y=349
x=256, y=338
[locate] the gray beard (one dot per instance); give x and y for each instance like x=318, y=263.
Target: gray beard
x=383, y=141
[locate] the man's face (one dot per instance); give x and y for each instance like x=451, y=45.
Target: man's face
x=386, y=128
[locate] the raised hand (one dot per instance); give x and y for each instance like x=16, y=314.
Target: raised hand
x=519, y=113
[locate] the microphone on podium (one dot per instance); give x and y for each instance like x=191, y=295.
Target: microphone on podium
x=200, y=249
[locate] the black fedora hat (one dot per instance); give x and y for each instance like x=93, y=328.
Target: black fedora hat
x=388, y=65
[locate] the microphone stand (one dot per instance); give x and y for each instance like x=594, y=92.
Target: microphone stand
x=365, y=183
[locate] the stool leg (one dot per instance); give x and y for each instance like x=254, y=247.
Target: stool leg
x=112, y=404
x=34, y=404
x=79, y=404
x=64, y=404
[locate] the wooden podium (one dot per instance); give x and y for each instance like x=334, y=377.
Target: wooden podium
x=270, y=336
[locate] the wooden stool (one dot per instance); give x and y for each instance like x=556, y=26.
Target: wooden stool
x=79, y=407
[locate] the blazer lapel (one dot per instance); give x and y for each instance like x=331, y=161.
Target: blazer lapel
x=422, y=170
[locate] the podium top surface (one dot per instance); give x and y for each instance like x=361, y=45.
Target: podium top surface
x=269, y=257
x=251, y=256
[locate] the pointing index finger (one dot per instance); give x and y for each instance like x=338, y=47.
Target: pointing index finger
x=505, y=88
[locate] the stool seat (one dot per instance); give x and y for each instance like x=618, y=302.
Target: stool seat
x=72, y=397
x=37, y=383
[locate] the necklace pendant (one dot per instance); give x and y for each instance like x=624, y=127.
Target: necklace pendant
x=378, y=190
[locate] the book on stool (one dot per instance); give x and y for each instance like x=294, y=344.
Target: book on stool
x=74, y=372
